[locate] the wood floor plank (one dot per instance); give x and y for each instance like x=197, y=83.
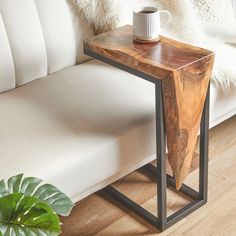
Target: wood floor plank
x=207, y=217
x=217, y=218
x=98, y=214
x=222, y=173
x=130, y=224
x=99, y=211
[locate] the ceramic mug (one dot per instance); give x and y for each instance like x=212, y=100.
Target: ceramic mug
x=147, y=23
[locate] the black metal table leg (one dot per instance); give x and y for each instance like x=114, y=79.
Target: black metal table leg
x=163, y=222
x=161, y=160
x=203, y=162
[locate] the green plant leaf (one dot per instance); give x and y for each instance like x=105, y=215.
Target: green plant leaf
x=3, y=189
x=14, y=183
x=27, y=216
x=59, y=202
x=30, y=186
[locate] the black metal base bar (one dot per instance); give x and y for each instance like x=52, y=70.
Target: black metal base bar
x=161, y=221
x=185, y=211
x=127, y=202
x=171, y=182
x=149, y=217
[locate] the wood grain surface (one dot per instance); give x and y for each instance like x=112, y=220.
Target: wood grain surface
x=185, y=72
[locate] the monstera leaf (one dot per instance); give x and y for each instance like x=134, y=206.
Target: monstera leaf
x=30, y=208
x=25, y=215
x=47, y=193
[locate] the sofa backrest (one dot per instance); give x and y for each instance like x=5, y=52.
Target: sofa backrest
x=38, y=37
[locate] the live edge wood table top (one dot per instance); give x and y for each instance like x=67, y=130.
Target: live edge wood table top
x=184, y=71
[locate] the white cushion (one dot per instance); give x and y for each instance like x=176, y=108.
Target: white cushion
x=222, y=105
x=7, y=70
x=65, y=128
x=26, y=39
x=41, y=37
x=81, y=30
x=58, y=33
x=83, y=127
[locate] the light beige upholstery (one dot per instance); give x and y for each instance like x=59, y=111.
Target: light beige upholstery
x=26, y=39
x=83, y=127
x=59, y=36
x=7, y=70
x=71, y=127
x=38, y=37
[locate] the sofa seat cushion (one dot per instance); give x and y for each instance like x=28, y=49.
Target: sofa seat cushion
x=67, y=128
x=222, y=104
x=84, y=127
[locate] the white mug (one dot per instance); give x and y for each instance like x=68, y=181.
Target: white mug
x=146, y=23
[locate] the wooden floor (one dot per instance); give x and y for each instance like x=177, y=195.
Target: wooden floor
x=100, y=215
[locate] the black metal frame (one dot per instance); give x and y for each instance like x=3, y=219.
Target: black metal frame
x=163, y=222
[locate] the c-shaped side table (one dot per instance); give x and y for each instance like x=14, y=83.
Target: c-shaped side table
x=181, y=74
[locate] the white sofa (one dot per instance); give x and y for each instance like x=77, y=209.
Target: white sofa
x=82, y=125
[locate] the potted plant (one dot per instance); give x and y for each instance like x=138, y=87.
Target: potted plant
x=30, y=208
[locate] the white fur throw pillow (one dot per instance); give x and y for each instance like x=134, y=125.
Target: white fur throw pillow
x=103, y=15
x=218, y=12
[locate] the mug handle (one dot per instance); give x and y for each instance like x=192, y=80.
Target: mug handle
x=165, y=12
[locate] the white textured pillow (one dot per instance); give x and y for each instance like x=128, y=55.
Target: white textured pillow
x=103, y=15
x=218, y=12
